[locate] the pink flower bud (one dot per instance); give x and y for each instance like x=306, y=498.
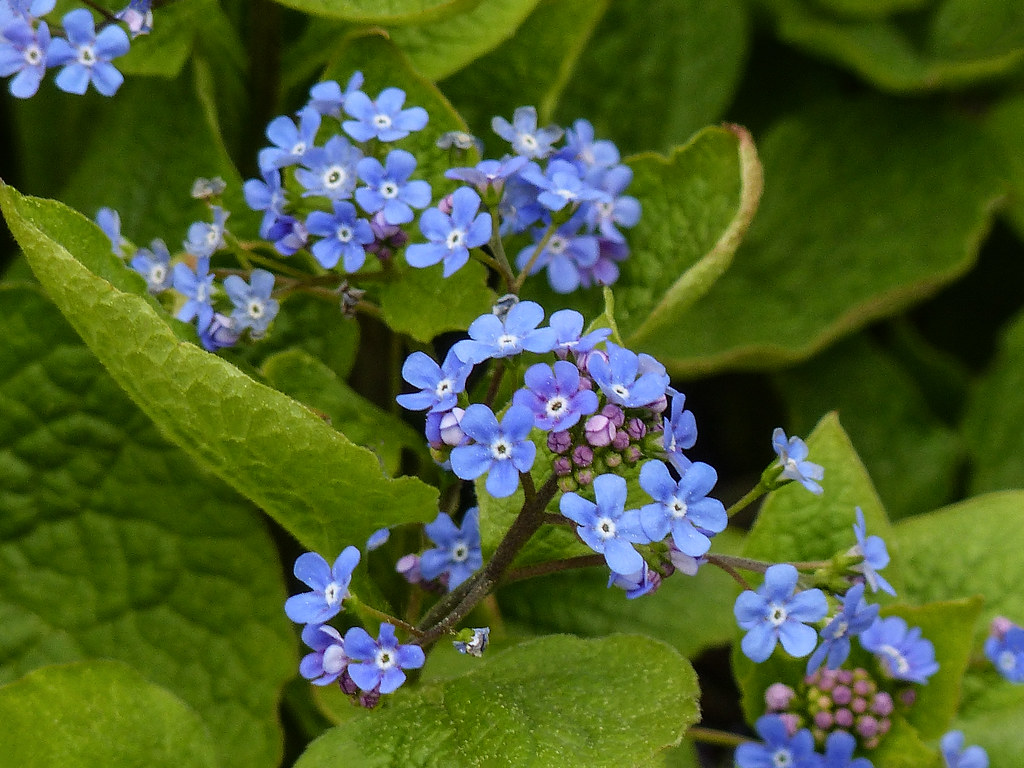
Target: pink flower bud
x=582, y=456
x=559, y=442
x=615, y=414
x=562, y=466
x=844, y=718
x=599, y=430
x=778, y=696
x=451, y=432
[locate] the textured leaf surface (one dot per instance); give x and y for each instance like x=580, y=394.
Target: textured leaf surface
x=380, y=11
x=992, y=715
x=843, y=237
x=322, y=488
x=914, y=464
x=114, y=544
x=960, y=43
x=619, y=701
x=100, y=714
x=994, y=416
x=671, y=66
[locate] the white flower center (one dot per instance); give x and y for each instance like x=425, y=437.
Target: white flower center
x=33, y=55
x=556, y=407
x=333, y=593
x=841, y=628
x=678, y=508
x=299, y=148
x=157, y=274
x=1007, y=661
x=777, y=614
x=344, y=233
x=605, y=528
x=897, y=662
x=201, y=293
x=381, y=121
x=557, y=244
x=507, y=341
x=455, y=239
x=212, y=236
x=86, y=55
x=389, y=190
x=255, y=308
x=620, y=391
x=385, y=659
x=528, y=141
x=782, y=758
x=460, y=552
x=335, y=176
x=501, y=449
x=444, y=387
x=605, y=209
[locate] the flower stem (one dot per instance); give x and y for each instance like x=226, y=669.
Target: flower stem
x=498, y=249
x=752, y=495
x=533, y=258
x=553, y=566
x=364, y=608
x=716, y=737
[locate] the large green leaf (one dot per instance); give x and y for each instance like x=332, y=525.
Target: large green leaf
x=99, y=715
x=381, y=11
x=1003, y=124
x=619, y=701
x=911, y=455
x=992, y=715
x=859, y=220
x=656, y=72
x=114, y=544
x=960, y=43
x=438, y=49
x=321, y=487
x=531, y=68
x=993, y=419
x=164, y=51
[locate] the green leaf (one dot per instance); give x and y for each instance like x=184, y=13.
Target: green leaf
x=101, y=714
x=967, y=549
x=819, y=260
x=438, y=49
x=619, y=700
x=309, y=381
x=995, y=412
x=381, y=11
x=697, y=205
x=1003, y=124
x=532, y=67
x=164, y=51
x=903, y=748
x=913, y=466
x=114, y=544
x=870, y=9
x=690, y=613
x=671, y=64
x=319, y=486
x=961, y=43
x=992, y=714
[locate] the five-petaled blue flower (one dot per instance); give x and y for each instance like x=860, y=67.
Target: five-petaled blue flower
x=267, y=196
x=554, y=396
x=388, y=188
x=291, y=141
x=86, y=56
x=606, y=526
x=204, y=238
x=581, y=147
x=489, y=175
x=855, y=616
x=610, y=208
x=383, y=118
x=566, y=256
x=502, y=451
x=458, y=549
x=439, y=385
x=792, y=455
x=329, y=583
x=524, y=136
x=328, y=660
x=490, y=336
x=569, y=337
x=560, y=184
x=682, y=509
x=779, y=750
x=154, y=264
x=875, y=554
x=327, y=98
x=955, y=756
x=345, y=237
x=451, y=235
x=622, y=379
x=778, y=612
x=197, y=288
x=378, y=664
x=1004, y=647
x=23, y=51
x=902, y=652
x=330, y=170
x=254, y=309
x=839, y=749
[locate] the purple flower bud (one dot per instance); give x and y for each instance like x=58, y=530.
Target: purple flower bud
x=882, y=705
x=824, y=720
x=219, y=333
x=842, y=695
x=582, y=456
x=615, y=414
x=585, y=381
x=562, y=466
x=863, y=687
x=1000, y=626
x=859, y=705
x=778, y=696
x=792, y=723
x=632, y=454
x=409, y=568
x=867, y=726
x=621, y=441
x=446, y=205
x=559, y=442
x=369, y=699
x=599, y=430
x=908, y=696
x=347, y=684
x=659, y=405
x=845, y=676
x=584, y=476
x=682, y=562
x=636, y=429
x=844, y=718
x=451, y=432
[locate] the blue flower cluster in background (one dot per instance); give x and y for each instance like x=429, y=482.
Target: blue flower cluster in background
x=29, y=46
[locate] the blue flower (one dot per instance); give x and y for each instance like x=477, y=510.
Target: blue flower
x=682, y=508
x=779, y=748
x=267, y=196
x=154, y=264
x=327, y=98
x=501, y=451
x=29, y=10
x=778, y=612
x=875, y=554
x=568, y=327
x=23, y=50
x=554, y=396
x=291, y=141
x=328, y=660
x=109, y=220
x=329, y=583
x=288, y=234
x=581, y=147
x=197, y=287
x=451, y=236
x=138, y=17
x=389, y=189
x=439, y=386
x=378, y=539
x=477, y=642
x=458, y=549
x=86, y=56
x=382, y=119
x=219, y=333
x=643, y=582
x=1005, y=649
x=330, y=170
x=902, y=652
x=855, y=616
x=606, y=526
x=560, y=185
x=489, y=175
x=621, y=379
x=953, y=752
x=518, y=207
x=378, y=664
x=567, y=255
x=206, y=238
x=679, y=432
x=345, y=237
x=793, y=460
x=612, y=208
x=839, y=752
x=492, y=337
x=524, y=136
x=254, y=309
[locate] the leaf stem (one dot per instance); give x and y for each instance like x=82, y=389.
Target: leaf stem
x=716, y=737
x=553, y=566
x=518, y=286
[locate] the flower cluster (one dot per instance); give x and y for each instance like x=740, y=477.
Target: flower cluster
x=456, y=554
x=29, y=47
